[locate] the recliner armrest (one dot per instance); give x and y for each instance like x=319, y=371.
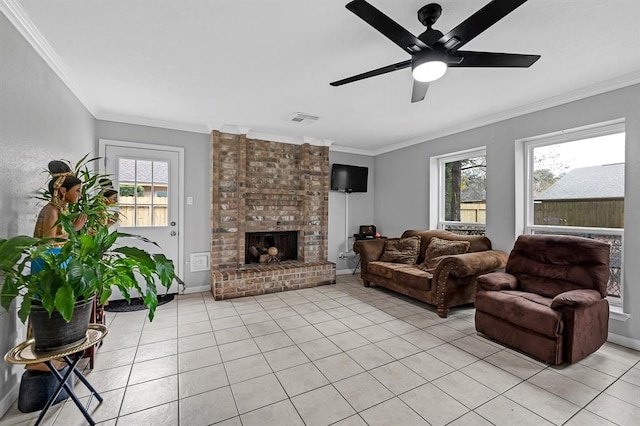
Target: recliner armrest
x=497, y=281
x=576, y=298
x=475, y=263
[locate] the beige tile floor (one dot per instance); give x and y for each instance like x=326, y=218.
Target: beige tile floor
x=340, y=354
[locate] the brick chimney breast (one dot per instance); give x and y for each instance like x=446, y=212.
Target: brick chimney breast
x=265, y=186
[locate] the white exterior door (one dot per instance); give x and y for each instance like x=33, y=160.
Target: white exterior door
x=149, y=197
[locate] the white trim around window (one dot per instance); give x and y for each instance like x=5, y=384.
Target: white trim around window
x=437, y=186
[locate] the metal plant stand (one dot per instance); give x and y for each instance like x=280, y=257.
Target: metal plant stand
x=23, y=353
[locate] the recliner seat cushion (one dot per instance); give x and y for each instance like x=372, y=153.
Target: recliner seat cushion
x=527, y=310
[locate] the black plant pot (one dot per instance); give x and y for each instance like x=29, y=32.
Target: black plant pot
x=55, y=334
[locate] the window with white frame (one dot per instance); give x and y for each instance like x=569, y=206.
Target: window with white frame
x=574, y=185
x=462, y=192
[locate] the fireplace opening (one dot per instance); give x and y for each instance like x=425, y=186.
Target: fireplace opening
x=271, y=247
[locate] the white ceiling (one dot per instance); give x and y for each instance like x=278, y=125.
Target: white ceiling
x=202, y=64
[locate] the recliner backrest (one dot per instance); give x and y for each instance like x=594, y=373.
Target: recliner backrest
x=552, y=264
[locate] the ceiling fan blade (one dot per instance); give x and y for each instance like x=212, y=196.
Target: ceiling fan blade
x=419, y=91
x=477, y=23
x=387, y=26
x=492, y=59
x=373, y=73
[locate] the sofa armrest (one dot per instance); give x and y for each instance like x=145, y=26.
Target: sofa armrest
x=576, y=298
x=455, y=276
x=475, y=263
x=369, y=251
x=496, y=281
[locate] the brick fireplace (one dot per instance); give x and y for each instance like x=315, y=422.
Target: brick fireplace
x=264, y=188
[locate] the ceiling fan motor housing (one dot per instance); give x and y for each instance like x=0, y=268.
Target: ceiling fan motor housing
x=429, y=14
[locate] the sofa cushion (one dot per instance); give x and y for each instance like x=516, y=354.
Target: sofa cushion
x=477, y=242
x=412, y=276
x=384, y=269
x=439, y=248
x=402, y=250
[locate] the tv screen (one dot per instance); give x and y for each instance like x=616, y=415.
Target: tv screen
x=349, y=178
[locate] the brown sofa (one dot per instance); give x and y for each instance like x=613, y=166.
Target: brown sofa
x=451, y=283
x=550, y=302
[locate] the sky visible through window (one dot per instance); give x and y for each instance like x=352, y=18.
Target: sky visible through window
x=560, y=158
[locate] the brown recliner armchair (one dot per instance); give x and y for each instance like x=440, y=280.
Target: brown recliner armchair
x=550, y=301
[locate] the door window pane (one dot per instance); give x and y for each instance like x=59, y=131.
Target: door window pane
x=144, y=192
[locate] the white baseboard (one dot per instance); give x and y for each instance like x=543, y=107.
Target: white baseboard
x=198, y=289
x=624, y=341
x=346, y=272
x=8, y=399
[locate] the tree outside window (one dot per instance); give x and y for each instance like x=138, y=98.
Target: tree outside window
x=463, y=192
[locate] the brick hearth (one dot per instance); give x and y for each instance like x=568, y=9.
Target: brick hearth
x=264, y=186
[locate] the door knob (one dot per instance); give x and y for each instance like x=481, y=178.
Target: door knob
x=172, y=233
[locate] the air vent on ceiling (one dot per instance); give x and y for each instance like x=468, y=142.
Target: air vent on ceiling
x=301, y=117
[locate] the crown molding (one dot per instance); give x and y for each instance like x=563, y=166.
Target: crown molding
x=251, y=134
x=16, y=14
x=565, y=98
x=349, y=150
x=154, y=122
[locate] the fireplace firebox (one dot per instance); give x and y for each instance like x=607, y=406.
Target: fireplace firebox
x=259, y=246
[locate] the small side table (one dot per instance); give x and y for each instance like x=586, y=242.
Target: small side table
x=23, y=353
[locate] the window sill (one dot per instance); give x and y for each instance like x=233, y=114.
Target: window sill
x=616, y=313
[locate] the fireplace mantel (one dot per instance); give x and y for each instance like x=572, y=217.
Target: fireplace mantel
x=265, y=186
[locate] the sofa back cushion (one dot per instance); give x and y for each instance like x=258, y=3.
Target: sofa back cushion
x=438, y=249
x=476, y=242
x=552, y=264
x=402, y=250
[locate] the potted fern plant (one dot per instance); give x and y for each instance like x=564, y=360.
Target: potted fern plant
x=87, y=264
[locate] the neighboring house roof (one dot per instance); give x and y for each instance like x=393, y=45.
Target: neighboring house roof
x=606, y=181
x=128, y=169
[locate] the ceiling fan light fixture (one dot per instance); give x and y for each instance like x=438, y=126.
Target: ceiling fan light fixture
x=429, y=70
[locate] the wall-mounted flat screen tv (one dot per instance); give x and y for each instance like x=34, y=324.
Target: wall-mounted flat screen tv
x=349, y=178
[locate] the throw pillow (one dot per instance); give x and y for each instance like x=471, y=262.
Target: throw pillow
x=403, y=250
x=439, y=248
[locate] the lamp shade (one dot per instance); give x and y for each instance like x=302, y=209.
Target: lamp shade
x=428, y=70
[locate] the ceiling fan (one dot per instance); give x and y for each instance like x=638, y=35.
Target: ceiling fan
x=433, y=52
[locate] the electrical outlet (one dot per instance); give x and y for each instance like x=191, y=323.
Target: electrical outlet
x=346, y=254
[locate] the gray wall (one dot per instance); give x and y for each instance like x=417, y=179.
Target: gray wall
x=197, y=176
x=402, y=180
x=360, y=211
x=40, y=120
